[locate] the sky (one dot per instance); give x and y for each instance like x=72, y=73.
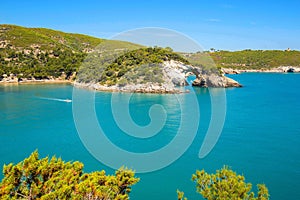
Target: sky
x=222, y=25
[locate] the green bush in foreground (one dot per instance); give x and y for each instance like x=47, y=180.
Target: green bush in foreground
x=35, y=178
x=225, y=184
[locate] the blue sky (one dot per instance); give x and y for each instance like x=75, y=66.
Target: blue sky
x=226, y=25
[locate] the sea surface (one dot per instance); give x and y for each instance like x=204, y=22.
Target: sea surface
x=260, y=137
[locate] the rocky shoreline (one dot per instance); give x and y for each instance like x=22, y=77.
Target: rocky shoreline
x=6, y=81
x=33, y=81
x=215, y=81
x=13, y=79
x=134, y=88
x=173, y=78
x=175, y=75
x=281, y=69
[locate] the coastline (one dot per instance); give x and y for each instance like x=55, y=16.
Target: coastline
x=150, y=88
x=282, y=69
x=42, y=81
x=13, y=79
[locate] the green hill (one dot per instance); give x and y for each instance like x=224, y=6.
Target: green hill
x=44, y=53
x=47, y=39
x=256, y=59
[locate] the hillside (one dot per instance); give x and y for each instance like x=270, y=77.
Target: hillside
x=39, y=53
x=256, y=59
x=47, y=39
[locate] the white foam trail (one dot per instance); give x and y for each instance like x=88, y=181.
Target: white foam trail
x=56, y=99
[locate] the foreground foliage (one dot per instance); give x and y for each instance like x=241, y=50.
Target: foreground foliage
x=45, y=178
x=225, y=184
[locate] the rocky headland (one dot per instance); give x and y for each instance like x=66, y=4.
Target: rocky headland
x=174, y=75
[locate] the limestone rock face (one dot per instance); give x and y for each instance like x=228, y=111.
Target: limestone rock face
x=231, y=83
x=176, y=72
x=200, y=82
x=214, y=80
x=229, y=71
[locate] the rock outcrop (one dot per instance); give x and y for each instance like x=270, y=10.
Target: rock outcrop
x=214, y=80
x=176, y=72
x=229, y=71
x=229, y=82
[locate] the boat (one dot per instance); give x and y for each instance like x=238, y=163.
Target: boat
x=68, y=100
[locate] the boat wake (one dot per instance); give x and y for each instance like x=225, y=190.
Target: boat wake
x=56, y=99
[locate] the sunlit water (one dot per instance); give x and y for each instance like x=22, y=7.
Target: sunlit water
x=260, y=139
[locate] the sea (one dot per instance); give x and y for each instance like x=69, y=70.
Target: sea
x=259, y=136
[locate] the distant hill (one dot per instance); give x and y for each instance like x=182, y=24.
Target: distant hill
x=256, y=59
x=41, y=53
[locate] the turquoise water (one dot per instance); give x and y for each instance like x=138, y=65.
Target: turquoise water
x=260, y=139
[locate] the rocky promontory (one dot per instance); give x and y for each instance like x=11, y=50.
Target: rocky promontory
x=173, y=76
